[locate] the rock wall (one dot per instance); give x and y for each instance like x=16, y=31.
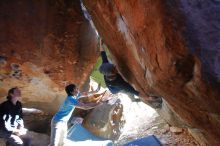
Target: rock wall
x=44, y=45
x=167, y=48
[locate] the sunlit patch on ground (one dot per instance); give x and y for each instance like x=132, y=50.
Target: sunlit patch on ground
x=141, y=120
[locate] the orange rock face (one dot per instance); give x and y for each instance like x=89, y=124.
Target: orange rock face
x=44, y=45
x=156, y=50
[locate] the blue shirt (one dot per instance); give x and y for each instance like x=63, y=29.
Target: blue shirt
x=66, y=109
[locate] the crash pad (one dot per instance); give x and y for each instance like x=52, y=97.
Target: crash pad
x=146, y=141
x=78, y=135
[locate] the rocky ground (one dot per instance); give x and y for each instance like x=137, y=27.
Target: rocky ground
x=163, y=132
x=142, y=121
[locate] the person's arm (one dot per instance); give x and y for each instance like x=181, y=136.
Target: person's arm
x=7, y=125
x=20, y=130
x=104, y=57
x=87, y=94
x=81, y=105
x=86, y=106
x=90, y=93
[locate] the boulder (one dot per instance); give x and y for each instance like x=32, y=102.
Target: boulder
x=168, y=49
x=44, y=45
x=106, y=120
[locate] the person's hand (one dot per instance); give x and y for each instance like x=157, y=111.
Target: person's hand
x=98, y=88
x=101, y=96
x=107, y=97
x=22, y=131
x=102, y=99
x=103, y=93
x=16, y=131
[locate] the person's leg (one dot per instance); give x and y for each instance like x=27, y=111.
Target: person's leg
x=11, y=139
x=63, y=135
x=26, y=140
x=54, y=136
x=15, y=140
x=57, y=133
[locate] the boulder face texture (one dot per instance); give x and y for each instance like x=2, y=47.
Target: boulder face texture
x=44, y=45
x=106, y=120
x=167, y=48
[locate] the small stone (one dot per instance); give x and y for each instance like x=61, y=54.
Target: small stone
x=176, y=130
x=163, y=131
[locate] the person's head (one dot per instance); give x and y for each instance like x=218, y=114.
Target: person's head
x=108, y=70
x=71, y=90
x=14, y=93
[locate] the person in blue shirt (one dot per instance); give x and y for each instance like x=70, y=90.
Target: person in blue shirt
x=115, y=83
x=60, y=119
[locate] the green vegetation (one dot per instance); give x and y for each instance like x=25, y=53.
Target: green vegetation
x=96, y=75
